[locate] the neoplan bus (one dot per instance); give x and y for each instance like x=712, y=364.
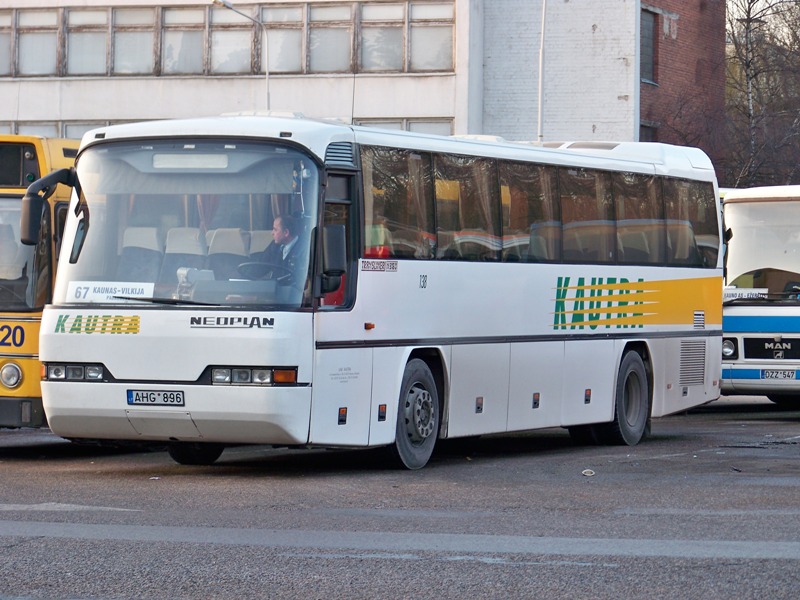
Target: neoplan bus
x=761, y=312
x=449, y=288
x=26, y=272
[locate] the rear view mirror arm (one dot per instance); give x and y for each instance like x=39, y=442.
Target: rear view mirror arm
x=33, y=202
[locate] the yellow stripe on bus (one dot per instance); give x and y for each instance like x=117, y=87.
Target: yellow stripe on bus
x=639, y=303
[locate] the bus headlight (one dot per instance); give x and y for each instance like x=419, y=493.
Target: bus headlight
x=54, y=372
x=728, y=348
x=252, y=376
x=94, y=372
x=221, y=375
x=11, y=375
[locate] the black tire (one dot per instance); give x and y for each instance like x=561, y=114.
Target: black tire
x=631, y=404
x=787, y=401
x=418, y=417
x=190, y=453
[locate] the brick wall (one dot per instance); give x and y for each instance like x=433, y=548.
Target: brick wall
x=592, y=84
x=687, y=101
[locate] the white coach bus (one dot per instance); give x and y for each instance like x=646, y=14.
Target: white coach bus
x=444, y=287
x=761, y=313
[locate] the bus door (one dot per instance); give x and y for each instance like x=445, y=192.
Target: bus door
x=340, y=405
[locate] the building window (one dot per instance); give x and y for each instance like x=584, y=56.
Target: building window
x=431, y=37
x=87, y=46
x=6, y=67
x=285, y=43
x=648, y=133
x=433, y=127
x=373, y=36
x=430, y=126
x=382, y=37
x=330, y=39
x=76, y=130
x=231, y=40
x=133, y=35
x=647, y=52
x=37, y=45
x=41, y=128
x=183, y=41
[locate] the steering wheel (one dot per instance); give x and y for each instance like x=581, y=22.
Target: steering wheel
x=262, y=270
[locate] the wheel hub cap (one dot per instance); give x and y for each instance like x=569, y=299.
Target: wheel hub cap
x=419, y=414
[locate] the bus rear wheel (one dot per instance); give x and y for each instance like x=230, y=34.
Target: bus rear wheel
x=631, y=404
x=418, y=417
x=190, y=453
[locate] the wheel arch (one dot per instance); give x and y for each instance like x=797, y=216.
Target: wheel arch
x=435, y=360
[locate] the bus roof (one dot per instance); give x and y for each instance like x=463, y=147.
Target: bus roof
x=770, y=193
x=318, y=134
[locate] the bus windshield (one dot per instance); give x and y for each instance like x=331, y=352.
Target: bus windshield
x=211, y=222
x=17, y=281
x=764, y=252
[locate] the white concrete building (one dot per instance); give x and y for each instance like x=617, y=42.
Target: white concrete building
x=448, y=66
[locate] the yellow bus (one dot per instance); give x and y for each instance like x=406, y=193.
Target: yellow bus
x=26, y=272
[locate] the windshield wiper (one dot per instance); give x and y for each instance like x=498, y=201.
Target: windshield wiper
x=169, y=301
x=745, y=300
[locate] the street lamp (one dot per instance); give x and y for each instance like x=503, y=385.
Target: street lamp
x=229, y=6
x=540, y=91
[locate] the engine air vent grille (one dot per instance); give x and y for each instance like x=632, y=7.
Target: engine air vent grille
x=693, y=362
x=340, y=154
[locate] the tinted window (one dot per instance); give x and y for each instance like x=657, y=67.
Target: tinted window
x=398, y=203
x=587, y=213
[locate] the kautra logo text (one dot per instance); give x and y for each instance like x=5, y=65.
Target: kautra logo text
x=97, y=324
x=598, y=302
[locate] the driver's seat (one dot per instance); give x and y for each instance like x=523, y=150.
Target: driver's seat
x=260, y=240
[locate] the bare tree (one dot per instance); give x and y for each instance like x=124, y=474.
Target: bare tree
x=762, y=100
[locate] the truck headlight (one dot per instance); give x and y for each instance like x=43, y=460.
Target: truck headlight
x=11, y=375
x=728, y=349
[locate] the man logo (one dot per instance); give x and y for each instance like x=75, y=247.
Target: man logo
x=777, y=354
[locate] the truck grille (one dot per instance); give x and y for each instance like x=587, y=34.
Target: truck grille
x=770, y=349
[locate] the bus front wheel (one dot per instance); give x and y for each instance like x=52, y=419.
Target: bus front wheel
x=631, y=404
x=188, y=453
x=418, y=417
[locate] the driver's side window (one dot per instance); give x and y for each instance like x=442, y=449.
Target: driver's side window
x=338, y=212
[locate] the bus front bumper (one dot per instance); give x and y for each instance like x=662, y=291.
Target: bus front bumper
x=223, y=414
x=760, y=379
x=21, y=412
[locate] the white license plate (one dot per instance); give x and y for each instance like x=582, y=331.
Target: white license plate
x=777, y=374
x=155, y=398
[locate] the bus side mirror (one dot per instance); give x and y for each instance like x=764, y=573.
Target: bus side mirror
x=33, y=202
x=30, y=219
